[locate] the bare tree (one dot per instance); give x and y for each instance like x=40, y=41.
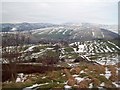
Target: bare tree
x=11, y=44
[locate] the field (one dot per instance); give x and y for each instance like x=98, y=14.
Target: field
x=91, y=64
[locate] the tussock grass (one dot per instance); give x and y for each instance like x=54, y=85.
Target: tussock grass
x=75, y=70
x=84, y=84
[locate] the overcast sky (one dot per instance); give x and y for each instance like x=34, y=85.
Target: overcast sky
x=73, y=11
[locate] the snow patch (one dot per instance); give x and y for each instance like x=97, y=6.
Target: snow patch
x=93, y=33
x=102, y=84
x=117, y=85
x=21, y=78
x=34, y=86
x=108, y=73
x=91, y=85
x=79, y=79
x=65, y=32
x=67, y=87
x=30, y=48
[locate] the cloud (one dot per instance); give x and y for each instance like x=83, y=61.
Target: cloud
x=60, y=1
x=61, y=12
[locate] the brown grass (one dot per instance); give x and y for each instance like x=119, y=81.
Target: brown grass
x=54, y=74
x=67, y=72
x=75, y=70
x=96, y=82
x=114, y=76
x=84, y=84
x=71, y=81
x=109, y=85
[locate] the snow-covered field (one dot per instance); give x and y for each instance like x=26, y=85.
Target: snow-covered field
x=101, y=52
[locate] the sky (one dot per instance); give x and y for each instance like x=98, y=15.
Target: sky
x=60, y=11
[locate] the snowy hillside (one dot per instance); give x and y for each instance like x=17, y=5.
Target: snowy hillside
x=96, y=47
x=94, y=50
x=66, y=32
x=74, y=33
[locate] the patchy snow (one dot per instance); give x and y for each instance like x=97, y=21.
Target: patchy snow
x=52, y=31
x=71, y=44
x=117, y=85
x=102, y=34
x=93, y=33
x=43, y=77
x=30, y=48
x=70, y=33
x=43, y=84
x=18, y=79
x=114, y=45
x=81, y=49
x=102, y=84
x=75, y=75
x=34, y=86
x=101, y=49
x=91, y=85
x=62, y=50
x=110, y=59
x=91, y=48
x=67, y=87
x=86, y=57
x=65, y=82
x=4, y=60
x=65, y=32
x=117, y=70
x=58, y=65
x=82, y=71
x=75, y=35
x=21, y=77
x=60, y=30
x=101, y=62
x=63, y=75
x=70, y=64
x=109, y=49
x=40, y=33
x=14, y=29
x=73, y=64
x=111, y=62
x=49, y=48
x=96, y=49
x=36, y=54
x=79, y=79
x=105, y=50
x=107, y=73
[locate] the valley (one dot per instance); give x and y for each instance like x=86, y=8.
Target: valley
x=68, y=56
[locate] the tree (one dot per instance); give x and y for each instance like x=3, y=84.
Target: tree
x=11, y=51
x=50, y=57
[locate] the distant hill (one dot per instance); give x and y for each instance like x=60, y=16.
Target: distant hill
x=8, y=27
x=74, y=33
x=64, y=32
